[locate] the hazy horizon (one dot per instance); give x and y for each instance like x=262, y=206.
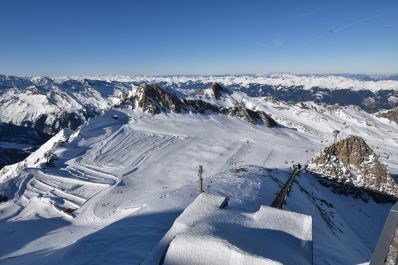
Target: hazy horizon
x=346, y=74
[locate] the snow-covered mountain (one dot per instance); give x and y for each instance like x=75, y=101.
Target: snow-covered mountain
x=43, y=106
x=370, y=92
x=107, y=192
x=50, y=104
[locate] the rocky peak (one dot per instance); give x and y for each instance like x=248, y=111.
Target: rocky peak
x=352, y=161
x=252, y=116
x=216, y=90
x=154, y=99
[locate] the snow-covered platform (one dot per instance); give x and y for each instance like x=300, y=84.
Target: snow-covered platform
x=206, y=234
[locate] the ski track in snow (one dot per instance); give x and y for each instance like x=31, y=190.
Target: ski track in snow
x=268, y=157
x=236, y=157
x=122, y=152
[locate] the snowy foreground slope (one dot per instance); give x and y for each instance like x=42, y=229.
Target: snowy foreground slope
x=119, y=184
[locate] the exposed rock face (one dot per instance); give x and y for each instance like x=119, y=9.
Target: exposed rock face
x=154, y=99
x=352, y=161
x=217, y=91
x=254, y=117
x=392, y=115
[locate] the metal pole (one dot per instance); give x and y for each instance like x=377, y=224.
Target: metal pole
x=200, y=179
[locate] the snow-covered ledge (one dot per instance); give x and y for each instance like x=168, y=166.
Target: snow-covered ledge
x=206, y=234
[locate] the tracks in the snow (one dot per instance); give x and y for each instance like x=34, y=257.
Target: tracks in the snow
x=235, y=158
x=268, y=157
x=102, y=166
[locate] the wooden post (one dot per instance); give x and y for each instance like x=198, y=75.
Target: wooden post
x=200, y=179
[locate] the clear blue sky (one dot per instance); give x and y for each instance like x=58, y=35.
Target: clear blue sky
x=50, y=37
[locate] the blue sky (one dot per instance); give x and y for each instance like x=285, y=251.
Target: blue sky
x=49, y=37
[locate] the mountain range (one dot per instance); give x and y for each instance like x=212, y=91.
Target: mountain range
x=114, y=160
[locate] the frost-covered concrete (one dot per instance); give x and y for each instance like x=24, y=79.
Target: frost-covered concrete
x=206, y=234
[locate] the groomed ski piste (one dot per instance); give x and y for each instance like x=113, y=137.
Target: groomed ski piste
x=118, y=184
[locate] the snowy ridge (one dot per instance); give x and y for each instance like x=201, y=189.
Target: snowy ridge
x=276, y=79
x=52, y=104
x=38, y=157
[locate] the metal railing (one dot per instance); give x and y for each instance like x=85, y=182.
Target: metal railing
x=386, y=251
x=281, y=197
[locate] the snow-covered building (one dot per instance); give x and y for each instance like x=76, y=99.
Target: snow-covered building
x=207, y=234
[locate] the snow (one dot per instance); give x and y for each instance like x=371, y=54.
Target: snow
x=118, y=185
x=37, y=157
x=205, y=234
x=306, y=81
x=138, y=165
x=28, y=100
x=24, y=106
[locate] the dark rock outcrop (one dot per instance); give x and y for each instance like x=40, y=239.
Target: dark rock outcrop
x=254, y=117
x=217, y=90
x=352, y=161
x=3, y=198
x=392, y=115
x=154, y=99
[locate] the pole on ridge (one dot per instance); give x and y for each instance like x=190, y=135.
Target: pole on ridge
x=200, y=172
